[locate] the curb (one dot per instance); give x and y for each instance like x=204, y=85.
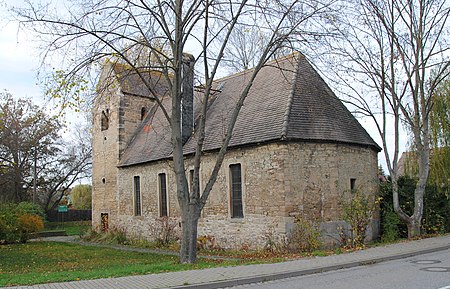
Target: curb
x=290, y=274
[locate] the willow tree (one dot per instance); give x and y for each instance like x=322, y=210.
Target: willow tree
x=86, y=31
x=440, y=137
x=383, y=55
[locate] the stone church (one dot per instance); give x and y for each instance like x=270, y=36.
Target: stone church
x=296, y=151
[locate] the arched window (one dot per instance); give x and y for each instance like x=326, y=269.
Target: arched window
x=143, y=112
x=105, y=119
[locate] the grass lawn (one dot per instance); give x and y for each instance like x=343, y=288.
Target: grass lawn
x=71, y=228
x=45, y=262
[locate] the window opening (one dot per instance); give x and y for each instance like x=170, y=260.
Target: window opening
x=105, y=120
x=162, y=195
x=236, y=191
x=352, y=185
x=143, y=112
x=137, y=196
x=191, y=181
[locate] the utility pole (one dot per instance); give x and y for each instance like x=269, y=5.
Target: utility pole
x=34, y=176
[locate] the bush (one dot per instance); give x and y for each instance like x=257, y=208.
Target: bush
x=304, y=237
x=207, y=242
x=390, y=225
x=18, y=221
x=357, y=212
x=28, y=224
x=436, y=214
x=164, y=232
x=112, y=236
x=31, y=209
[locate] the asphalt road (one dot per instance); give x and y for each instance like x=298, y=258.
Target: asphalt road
x=428, y=271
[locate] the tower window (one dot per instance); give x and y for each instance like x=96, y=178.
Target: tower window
x=143, y=112
x=105, y=120
x=352, y=185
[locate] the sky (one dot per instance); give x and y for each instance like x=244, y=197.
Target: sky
x=19, y=63
x=19, y=66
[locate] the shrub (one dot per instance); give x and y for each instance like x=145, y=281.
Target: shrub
x=207, y=242
x=436, y=214
x=28, y=224
x=31, y=209
x=390, y=225
x=357, y=212
x=17, y=221
x=304, y=237
x=112, y=236
x=164, y=232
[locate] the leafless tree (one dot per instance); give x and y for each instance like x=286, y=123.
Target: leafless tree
x=383, y=55
x=71, y=162
x=89, y=31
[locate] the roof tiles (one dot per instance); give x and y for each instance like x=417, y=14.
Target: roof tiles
x=288, y=101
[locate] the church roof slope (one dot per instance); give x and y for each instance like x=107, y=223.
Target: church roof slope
x=288, y=101
x=317, y=114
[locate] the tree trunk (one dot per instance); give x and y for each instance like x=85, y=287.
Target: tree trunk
x=188, y=250
x=413, y=228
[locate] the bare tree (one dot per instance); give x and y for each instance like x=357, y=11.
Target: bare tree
x=93, y=30
x=383, y=55
x=60, y=171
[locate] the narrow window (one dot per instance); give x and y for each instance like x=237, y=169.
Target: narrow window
x=105, y=120
x=352, y=185
x=137, y=196
x=191, y=181
x=143, y=112
x=162, y=195
x=236, y=191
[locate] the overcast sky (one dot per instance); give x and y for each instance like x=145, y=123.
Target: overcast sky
x=19, y=63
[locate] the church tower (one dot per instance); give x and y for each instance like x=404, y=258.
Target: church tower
x=120, y=106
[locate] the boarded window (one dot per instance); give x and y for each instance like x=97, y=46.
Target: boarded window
x=137, y=196
x=104, y=222
x=162, y=195
x=236, y=191
x=105, y=120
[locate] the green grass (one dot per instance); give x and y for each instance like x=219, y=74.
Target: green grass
x=46, y=262
x=71, y=228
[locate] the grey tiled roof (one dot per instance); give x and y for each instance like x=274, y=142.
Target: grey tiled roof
x=288, y=101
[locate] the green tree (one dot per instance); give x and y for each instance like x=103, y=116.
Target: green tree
x=26, y=136
x=36, y=164
x=82, y=197
x=440, y=137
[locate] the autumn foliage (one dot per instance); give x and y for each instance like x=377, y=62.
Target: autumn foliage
x=18, y=221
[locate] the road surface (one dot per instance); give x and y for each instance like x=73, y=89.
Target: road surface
x=428, y=271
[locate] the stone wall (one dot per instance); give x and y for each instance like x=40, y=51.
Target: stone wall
x=281, y=181
x=124, y=116
x=320, y=176
x=105, y=155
